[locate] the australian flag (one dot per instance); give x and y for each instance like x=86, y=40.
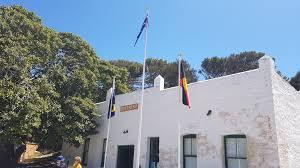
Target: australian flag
x=145, y=25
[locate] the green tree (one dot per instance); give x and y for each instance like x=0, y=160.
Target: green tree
x=134, y=69
x=221, y=66
x=49, y=82
x=24, y=43
x=295, y=81
x=169, y=70
x=155, y=67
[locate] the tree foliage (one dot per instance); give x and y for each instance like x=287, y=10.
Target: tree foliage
x=134, y=69
x=24, y=43
x=221, y=66
x=295, y=81
x=49, y=82
x=155, y=67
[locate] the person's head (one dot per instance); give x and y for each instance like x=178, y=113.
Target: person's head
x=77, y=159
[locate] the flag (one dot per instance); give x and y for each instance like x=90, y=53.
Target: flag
x=183, y=85
x=112, y=105
x=145, y=25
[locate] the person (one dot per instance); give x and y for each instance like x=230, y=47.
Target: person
x=77, y=162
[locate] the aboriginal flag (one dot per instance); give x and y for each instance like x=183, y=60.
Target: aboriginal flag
x=183, y=85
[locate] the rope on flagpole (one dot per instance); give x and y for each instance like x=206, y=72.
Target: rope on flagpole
x=108, y=125
x=142, y=98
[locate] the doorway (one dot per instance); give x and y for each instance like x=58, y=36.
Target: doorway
x=125, y=156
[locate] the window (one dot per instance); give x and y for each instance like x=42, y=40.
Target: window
x=86, y=151
x=235, y=151
x=190, y=151
x=154, y=152
x=103, y=152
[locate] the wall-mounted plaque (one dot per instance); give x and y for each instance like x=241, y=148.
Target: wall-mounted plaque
x=129, y=107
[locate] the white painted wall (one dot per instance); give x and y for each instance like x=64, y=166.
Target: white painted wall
x=241, y=103
x=287, y=115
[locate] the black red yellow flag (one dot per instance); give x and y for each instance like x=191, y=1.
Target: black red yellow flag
x=183, y=85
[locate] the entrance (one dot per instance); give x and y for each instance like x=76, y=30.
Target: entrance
x=125, y=156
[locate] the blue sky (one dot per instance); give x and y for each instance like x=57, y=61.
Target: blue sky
x=196, y=28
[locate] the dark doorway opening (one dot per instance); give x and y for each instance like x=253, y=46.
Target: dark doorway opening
x=7, y=155
x=125, y=156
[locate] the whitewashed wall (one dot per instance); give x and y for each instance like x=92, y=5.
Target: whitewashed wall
x=241, y=104
x=287, y=115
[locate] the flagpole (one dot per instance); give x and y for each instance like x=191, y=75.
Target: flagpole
x=179, y=151
x=142, y=98
x=109, y=118
x=179, y=90
x=179, y=98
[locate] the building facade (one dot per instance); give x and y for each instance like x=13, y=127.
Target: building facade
x=245, y=120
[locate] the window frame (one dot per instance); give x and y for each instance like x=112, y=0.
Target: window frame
x=189, y=136
x=86, y=151
x=236, y=136
x=103, y=152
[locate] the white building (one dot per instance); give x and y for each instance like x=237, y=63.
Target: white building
x=254, y=122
